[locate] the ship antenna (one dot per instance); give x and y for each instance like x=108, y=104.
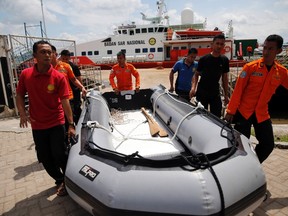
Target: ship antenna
x=161, y=15
x=230, y=30
x=162, y=12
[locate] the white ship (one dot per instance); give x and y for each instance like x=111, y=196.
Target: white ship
x=154, y=42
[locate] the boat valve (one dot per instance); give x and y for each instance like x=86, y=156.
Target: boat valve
x=93, y=124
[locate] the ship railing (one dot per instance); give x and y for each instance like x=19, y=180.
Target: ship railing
x=114, y=59
x=106, y=59
x=130, y=58
x=92, y=77
x=140, y=58
x=282, y=58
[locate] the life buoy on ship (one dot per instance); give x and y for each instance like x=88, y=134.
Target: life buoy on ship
x=227, y=49
x=151, y=56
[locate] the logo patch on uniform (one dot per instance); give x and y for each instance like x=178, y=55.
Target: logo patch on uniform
x=243, y=74
x=276, y=77
x=50, y=88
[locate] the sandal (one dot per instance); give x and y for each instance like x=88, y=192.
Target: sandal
x=62, y=190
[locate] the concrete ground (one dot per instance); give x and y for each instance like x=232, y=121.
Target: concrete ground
x=26, y=189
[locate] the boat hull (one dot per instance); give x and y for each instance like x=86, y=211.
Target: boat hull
x=160, y=182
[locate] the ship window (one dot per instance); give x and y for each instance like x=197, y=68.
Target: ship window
x=183, y=48
x=90, y=53
x=71, y=53
x=109, y=52
x=152, y=49
x=119, y=31
x=175, y=48
x=83, y=53
x=137, y=31
x=160, y=29
x=131, y=32
x=150, y=30
x=144, y=30
x=144, y=50
x=96, y=52
x=156, y=29
x=165, y=29
x=125, y=31
x=137, y=50
x=160, y=49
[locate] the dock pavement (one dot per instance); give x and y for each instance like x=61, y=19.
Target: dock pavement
x=26, y=189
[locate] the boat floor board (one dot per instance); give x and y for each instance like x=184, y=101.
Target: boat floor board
x=131, y=133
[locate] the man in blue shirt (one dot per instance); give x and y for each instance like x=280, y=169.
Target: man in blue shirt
x=185, y=68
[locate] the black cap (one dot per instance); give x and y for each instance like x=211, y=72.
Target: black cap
x=65, y=53
x=192, y=50
x=122, y=52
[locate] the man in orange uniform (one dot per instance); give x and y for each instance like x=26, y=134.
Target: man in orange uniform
x=65, y=56
x=67, y=71
x=123, y=72
x=254, y=88
x=249, y=51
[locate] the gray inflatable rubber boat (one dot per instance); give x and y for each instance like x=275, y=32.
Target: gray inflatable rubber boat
x=151, y=153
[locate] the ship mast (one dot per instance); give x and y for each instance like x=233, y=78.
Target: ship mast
x=230, y=30
x=161, y=14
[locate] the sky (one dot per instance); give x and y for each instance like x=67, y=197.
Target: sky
x=87, y=20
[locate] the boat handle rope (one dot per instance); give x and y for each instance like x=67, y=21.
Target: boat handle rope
x=232, y=132
x=169, y=94
x=199, y=105
x=193, y=160
x=95, y=124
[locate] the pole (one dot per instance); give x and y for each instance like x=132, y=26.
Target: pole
x=41, y=29
x=3, y=85
x=26, y=34
x=43, y=18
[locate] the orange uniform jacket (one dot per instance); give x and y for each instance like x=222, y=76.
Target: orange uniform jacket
x=67, y=71
x=254, y=89
x=124, y=77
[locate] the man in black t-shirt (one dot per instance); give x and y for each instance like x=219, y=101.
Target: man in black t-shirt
x=211, y=68
x=65, y=57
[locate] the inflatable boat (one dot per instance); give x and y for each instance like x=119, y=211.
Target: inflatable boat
x=151, y=153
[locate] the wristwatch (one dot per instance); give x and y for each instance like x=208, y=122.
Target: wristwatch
x=72, y=124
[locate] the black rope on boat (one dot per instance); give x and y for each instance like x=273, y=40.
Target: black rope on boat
x=135, y=158
x=210, y=167
x=229, y=126
x=228, y=152
x=128, y=157
x=192, y=161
